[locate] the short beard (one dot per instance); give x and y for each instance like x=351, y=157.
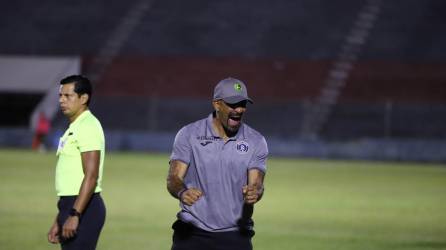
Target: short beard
x=230, y=132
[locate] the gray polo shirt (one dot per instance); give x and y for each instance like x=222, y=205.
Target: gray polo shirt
x=219, y=170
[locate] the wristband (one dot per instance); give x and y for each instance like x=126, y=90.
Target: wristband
x=181, y=193
x=74, y=212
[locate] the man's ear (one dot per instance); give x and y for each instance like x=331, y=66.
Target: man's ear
x=216, y=105
x=85, y=98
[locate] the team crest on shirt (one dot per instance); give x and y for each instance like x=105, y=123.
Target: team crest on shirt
x=242, y=147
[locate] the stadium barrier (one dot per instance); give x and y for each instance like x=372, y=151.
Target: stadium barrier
x=362, y=149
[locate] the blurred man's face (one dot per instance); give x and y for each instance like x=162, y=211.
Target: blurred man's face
x=230, y=115
x=71, y=104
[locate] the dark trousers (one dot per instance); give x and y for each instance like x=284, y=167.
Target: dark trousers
x=189, y=237
x=90, y=224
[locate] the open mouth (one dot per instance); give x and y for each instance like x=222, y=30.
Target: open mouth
x=234, y=120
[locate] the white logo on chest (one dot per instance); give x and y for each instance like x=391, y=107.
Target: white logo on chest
x=242, y=147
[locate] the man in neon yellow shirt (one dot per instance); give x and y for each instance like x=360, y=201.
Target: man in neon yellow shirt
x=79, y=170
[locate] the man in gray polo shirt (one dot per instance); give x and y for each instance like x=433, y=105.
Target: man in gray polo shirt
x=216, y=171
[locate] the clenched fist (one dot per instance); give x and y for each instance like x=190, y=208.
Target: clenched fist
x=250, y=194
x=190, y=196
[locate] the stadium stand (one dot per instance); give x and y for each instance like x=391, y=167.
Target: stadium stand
x=396, y=89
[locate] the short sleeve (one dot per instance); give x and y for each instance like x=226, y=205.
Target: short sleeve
x=90, y=137
x=181, y=147
x=258, y=160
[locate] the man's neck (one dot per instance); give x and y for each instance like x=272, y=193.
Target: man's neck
x=75, y=116
x=220, y=130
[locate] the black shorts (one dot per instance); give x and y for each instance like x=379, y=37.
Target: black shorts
x=90, y=224
x=188, y=237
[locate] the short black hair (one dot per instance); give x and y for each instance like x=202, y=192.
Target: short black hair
x=81, y=85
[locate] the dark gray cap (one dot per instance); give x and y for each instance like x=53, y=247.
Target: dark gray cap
x=231, y=91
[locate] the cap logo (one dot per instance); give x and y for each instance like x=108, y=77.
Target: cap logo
x=238, y=87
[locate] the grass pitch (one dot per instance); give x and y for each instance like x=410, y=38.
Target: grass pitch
x=308, y=204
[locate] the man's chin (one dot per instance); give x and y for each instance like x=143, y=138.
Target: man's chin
x=233, y=129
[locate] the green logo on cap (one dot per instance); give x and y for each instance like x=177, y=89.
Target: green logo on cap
x=238, y=87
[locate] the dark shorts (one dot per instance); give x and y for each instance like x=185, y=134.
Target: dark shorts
x=90, y=226
x=188, y=237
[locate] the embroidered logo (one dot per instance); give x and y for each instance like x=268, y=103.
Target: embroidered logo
x=242, y=147
x=208, y=138
x=205, y=143
x=238, y=87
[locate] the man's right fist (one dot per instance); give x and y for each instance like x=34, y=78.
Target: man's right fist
x=190, y=196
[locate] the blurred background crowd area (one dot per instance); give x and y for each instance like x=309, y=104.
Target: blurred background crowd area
x=330, y=79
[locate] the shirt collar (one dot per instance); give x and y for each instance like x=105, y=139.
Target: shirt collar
x=81, y=117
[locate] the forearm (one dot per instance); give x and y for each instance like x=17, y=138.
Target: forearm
x=175, y=178
x=90, y=166
x=260, y=191
x=255, y=185
x=85, y=192
x=258, y=184
x=175, y=185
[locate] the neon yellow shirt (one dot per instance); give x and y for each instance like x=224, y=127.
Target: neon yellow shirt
x=84, y=134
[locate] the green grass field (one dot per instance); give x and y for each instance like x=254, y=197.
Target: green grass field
x=308, y=204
